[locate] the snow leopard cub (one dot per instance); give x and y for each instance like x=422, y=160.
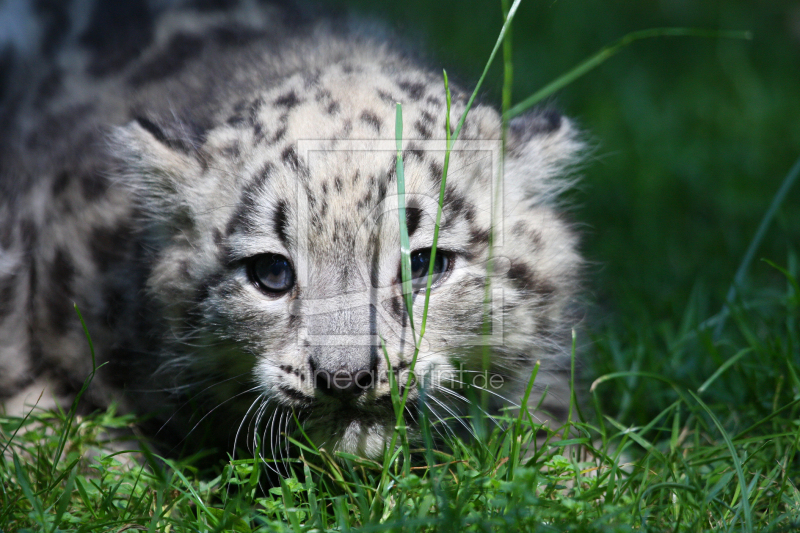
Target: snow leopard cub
x=216, y=190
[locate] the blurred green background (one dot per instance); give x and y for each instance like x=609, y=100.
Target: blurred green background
x=692, y=137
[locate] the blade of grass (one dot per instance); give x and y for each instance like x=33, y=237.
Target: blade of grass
x=609, y=51
x=25, y=485
x=737, y=464
x=500, y=39
x=723, y=367
x=64, y=500
x=74, y=407
x=523, y=406
x=449, y=144
x=405, y=247
x=741, y=272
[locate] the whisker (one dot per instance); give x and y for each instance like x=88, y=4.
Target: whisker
x=459, y=419
x=441, y=422
x=270, y=424
x=498, y=395
x=239, y=429
x=259, y=416
x=197, y=424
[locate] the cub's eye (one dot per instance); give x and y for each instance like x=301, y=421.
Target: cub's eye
x=420, y=264
x=272, y=273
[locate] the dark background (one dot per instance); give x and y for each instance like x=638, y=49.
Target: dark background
x=692, y=137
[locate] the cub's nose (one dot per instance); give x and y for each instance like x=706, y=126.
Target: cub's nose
x=342, y=383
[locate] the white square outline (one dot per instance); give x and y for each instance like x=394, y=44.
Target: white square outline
x=305, y=147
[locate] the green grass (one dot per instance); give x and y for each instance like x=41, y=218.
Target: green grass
x=720, y=454
x=678, y=430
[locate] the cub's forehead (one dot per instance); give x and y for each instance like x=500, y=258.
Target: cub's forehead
x=340, y=193
x=338, y=102
x=322, y=148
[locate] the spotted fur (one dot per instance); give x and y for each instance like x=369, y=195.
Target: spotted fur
x=149, y=155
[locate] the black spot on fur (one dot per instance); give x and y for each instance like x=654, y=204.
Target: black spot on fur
x=288, y=100
x=94, y=185
x=398, y=307
x=436, y=171
x=428, y=118
x=245, y=211
x=107, y=245
x=280, y=133
x=264, y=174
x=549, y=121
x=60, y=183
x=161, y=136
x=433, y=100
x=236, y=120
x=538, y=122
x=116, y=35
x=59, y=299
x=333, y=108
x=413, y=151
x=386, y=97
x=478, y=236
x=382, y=187
x=180, y=50
x=295, y=394
x=258, y=132
x=337, y=184
x=522, y=230
x=232, y=150
x=247, y=206
x=371, y=119
x=453, y=203
x=7, y=285
x=414, y=90
x=469, y=213
x=520, y=275
x=524, y=279
x=280, y=221
x=413, y=216
x=289, y=156
x=252, y=110
x=422, y=130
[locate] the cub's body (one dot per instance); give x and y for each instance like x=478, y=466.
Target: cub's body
x=216, y=190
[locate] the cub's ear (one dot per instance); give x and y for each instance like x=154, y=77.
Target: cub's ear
x=543, y=148
x=151, y=158
x=161, y=172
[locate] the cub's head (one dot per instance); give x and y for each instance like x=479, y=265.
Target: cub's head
x=276, y=255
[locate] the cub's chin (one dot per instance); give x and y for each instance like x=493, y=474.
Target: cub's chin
x=364, y=438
